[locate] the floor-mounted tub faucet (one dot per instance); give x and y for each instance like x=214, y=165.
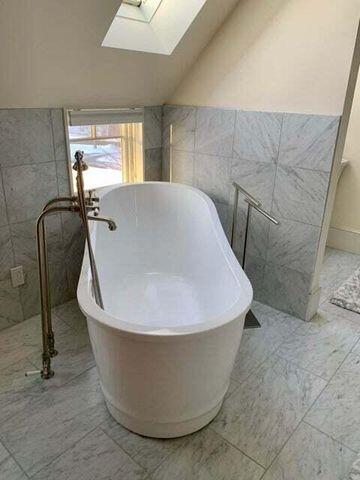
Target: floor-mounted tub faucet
x=83, y=206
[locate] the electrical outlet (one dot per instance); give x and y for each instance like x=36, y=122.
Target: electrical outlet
x=17, y=276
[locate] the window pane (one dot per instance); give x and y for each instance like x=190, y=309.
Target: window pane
x=79, y=131
x=103, y=153
x=112, y=130
x=104, y=160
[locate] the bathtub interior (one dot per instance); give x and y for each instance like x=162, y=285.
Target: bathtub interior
x=168, y=263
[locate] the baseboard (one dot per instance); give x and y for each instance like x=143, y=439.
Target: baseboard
x=347, y=240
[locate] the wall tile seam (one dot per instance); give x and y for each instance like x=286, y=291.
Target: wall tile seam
x=283, y=114
x=280, y=217
x=247, y=159
x=27, y=165
x=48, y=111
x=51, y=264
x=198, y=109
x=275, y=177
x=252, y=160
x=194, y=143
x=280, y=112
x=54, y=151
x=299, y=222
x=318, y=228
x=8, y=226
x=11, y=109
x=309, y=273
x=196, y=152
x=305, y=274
x=297, y=167
x=161, y=128
x=62, y=233
x=327, y=197
x=225, y=157
x=3, y=189
x=29, y=220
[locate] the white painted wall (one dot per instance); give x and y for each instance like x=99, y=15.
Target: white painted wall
x=279, y=55
x=51, y=55
x=345, y=222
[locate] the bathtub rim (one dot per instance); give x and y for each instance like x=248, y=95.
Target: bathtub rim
x=239, y=308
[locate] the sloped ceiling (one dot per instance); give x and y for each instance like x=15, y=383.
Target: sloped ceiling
x=51, y=55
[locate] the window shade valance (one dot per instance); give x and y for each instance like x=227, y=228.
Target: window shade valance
x=105, y=116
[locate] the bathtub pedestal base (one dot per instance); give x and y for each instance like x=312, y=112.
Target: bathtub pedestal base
x=163, y=430
x=251, y=321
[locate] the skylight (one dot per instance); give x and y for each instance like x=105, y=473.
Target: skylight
x=155, y=26
x=138, y=10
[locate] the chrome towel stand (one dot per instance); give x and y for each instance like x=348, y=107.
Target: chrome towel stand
x=76, y=204
x=250, y=320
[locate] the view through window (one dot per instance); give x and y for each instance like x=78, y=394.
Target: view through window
x=113, y=153
x=103, y=152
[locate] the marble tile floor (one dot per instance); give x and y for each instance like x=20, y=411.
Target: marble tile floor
x=291, y=412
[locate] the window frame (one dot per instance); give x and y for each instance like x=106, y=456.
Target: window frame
x=128, y=115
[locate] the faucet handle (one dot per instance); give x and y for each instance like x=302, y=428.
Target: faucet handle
x=94, y=209
x=91, y=199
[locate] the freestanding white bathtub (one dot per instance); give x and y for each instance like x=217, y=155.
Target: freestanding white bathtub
x=175, y=300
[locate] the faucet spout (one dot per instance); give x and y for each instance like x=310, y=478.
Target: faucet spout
x=111, y=224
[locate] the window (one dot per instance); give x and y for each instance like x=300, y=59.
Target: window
x=139, y=10
x=111, y=144
x=154, y=26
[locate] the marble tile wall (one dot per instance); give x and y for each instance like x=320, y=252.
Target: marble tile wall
x=284, y=160
x=33, y=169
x=152, y=133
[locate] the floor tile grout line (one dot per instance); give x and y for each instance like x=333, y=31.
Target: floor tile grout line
x=328, y=436
x=13, y=458
x=342, y=362
x=302, y=418
x=300, y=367
x=327, y=385
x=299, y=423
x=75, y=377
x=55, y=387
x=339, y=316
x=150, y=472
x=282, y=448
x=62, y=453
x=265, y=360
x=66, y=322
x=122, y=449
x=226, y=397
x=236, y=447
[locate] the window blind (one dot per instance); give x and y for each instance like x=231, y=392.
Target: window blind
x=105, y=116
